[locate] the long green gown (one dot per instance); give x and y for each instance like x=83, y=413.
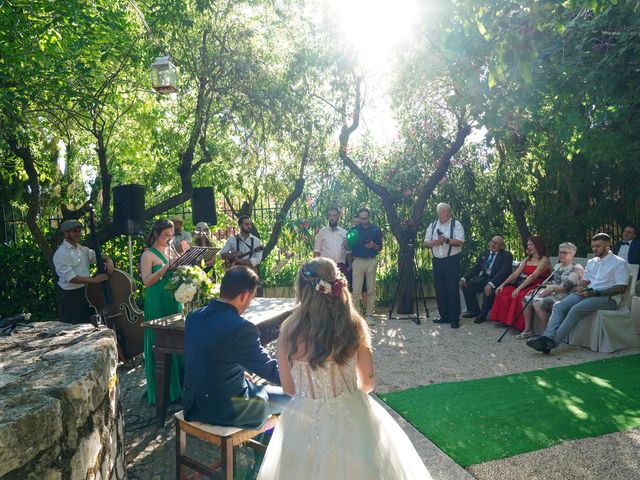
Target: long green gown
x=160, y=302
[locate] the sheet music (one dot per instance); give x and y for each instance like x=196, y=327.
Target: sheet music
x=194, y=256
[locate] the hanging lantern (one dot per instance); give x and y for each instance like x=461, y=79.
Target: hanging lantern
x=163, y=75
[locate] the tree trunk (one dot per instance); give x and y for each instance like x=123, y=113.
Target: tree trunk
x=518, y=210
x=105, y=180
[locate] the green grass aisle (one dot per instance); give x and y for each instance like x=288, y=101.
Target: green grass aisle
x=480, y=420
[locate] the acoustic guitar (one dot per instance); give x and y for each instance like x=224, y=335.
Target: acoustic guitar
x=230, y=263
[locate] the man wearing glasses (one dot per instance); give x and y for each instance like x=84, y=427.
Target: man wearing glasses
x=71, y=262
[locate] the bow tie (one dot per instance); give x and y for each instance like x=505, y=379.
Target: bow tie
x=334, y=229
x=625, y=243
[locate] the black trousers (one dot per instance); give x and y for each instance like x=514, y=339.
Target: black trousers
x=446, y=274
x=73, y=306
x=471, y=300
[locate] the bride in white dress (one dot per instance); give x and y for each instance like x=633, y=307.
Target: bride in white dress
x=332, y=429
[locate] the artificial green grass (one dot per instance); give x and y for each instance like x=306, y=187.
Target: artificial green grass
x=480, y=420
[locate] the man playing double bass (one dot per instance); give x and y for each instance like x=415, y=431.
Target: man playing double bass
x=244, y=248
x=71, y=262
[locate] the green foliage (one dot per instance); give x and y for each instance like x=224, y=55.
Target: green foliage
x=26, y=283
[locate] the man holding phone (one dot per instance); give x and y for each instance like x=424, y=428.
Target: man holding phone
x=445, y=238
x=367, y=242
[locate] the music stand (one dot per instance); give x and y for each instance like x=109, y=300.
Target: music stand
x=410, y=262
x=194, y=256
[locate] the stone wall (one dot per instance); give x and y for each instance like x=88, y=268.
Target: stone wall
x=60, y=410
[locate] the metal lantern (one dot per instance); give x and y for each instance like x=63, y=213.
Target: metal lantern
x=163, y=75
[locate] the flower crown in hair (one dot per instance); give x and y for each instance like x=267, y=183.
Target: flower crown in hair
x=333, y=288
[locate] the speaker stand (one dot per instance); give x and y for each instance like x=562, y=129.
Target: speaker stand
x=130, y=258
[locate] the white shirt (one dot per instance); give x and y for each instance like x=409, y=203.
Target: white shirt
x=607, y=272
x=71, y=262
x=623, y=252
x=245, y=246
x=442, y=251
x=330, y=244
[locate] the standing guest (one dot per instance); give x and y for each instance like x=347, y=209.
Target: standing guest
x=159, y=302
x=445, y=237
x=629, y=247
x=601, y=288
x=181, y=238
x=565, y=278
x=71, y=262
x=349, y=275
x=491, y=269
x=221, y=350
x=330, y=241
x=366, y=245
x=241, y=249
x=331, y=429
x=201, y=238
x=531, y=272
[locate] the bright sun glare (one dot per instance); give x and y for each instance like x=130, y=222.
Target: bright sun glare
x=375, y=28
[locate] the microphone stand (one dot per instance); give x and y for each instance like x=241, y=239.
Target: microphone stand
x=533, y=295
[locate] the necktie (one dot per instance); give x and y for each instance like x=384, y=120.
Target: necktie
x=490, y=261
x=625, y=243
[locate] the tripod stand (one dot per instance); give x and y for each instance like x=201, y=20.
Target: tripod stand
x=410, y=262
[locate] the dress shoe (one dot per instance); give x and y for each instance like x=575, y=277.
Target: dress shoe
x=440, y=320
x=470, y=314
x=479, y=319
x=541, y=344
x=455, y=324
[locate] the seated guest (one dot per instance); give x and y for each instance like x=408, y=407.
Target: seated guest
x=531, y=272
x=221, y=350
x=565, y=278
x=491, y=269
x=629, y=247
x=601, y=288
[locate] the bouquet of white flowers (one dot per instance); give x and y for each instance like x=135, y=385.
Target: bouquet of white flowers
x=191, y=286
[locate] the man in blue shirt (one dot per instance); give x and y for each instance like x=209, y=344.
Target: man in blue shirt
x=365, y=245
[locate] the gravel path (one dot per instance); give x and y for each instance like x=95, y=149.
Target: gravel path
x=407, y=355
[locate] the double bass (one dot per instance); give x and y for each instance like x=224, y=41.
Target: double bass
x=114, y=301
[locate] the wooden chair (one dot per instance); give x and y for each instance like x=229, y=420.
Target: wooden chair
x=227, y=438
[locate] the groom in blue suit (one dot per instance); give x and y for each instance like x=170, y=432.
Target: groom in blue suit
x=221, y=348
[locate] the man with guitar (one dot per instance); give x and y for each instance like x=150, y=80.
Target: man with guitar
x=244, y=248
x=71, y=262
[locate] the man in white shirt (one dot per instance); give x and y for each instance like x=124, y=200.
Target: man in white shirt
x=445, y=238
x=71, y=262
x=601, y=288
x=244, y=248
x=330, y=240
x=180, y=235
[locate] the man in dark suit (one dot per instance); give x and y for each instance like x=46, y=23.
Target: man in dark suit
x=491, y=269
x=629, y=247
x=221, y=350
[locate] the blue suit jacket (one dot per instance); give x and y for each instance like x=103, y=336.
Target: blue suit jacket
x=634, y=251
x=219, y=346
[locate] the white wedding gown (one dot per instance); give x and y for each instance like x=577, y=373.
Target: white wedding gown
x=332, y=431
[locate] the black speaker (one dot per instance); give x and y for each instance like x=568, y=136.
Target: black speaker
x=203, y=206
x=128, y=209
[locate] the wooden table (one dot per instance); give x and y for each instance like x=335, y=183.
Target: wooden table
x=266, y=313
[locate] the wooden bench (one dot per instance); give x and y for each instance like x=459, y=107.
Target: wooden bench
x=227, y=438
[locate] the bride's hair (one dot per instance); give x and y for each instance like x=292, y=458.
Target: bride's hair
x=325, y=324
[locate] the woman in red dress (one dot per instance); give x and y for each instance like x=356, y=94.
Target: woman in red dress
x=531, y=272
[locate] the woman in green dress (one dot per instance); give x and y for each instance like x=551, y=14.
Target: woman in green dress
x=159, y=302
